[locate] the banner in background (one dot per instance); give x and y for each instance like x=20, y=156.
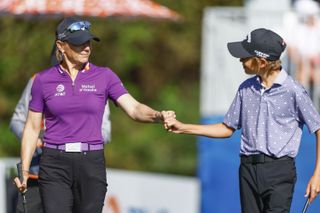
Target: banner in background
x=138, y=192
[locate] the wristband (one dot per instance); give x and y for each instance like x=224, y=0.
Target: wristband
x=25, y=171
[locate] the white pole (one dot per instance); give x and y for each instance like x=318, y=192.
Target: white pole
x=3, y=203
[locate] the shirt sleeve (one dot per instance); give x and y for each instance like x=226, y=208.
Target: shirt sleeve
x=37, y=100
x=233, y=117
x=306, y=111
x=115, y=87
x=106, y=125
x=19, y=116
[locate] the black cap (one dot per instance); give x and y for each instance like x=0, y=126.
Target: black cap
x=261, y=43
x=77, y=37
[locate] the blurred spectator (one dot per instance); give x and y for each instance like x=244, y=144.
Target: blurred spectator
x=302, y=30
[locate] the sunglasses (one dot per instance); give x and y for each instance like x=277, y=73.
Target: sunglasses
x=74, y=27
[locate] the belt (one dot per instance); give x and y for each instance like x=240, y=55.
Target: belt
x=262, y=158
x=83, y=146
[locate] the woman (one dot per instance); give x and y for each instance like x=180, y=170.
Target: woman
x=71, y=96
x=17, y=124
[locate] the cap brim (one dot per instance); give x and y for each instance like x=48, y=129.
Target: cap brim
x=80, y=37
x=236, y=50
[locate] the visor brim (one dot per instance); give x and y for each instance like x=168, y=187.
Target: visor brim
x=80, y=37
x=237, y=50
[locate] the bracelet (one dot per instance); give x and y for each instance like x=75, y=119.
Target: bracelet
x=26, y=171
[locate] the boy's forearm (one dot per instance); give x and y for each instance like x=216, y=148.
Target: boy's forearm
x=212, y=130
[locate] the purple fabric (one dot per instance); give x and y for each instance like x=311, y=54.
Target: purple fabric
x=272, y=119
x=73, y=110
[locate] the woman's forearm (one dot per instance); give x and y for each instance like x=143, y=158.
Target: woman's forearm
x=144, y=113
x=138, y=111
x=28, y=146
x=29, y=138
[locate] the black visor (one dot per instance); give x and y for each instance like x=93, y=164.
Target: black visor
x=80, y=37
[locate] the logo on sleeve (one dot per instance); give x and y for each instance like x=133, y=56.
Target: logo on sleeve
x=60, y=90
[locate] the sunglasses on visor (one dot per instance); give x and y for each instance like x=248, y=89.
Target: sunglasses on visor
x=77, y=26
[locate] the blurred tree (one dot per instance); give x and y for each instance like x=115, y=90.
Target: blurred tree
x=157, y=61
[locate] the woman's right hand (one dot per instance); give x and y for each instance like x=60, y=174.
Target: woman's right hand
x=22, y=186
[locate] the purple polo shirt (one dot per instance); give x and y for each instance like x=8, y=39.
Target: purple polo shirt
x=272, y=119
x=73, y=110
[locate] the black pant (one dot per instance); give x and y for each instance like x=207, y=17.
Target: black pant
x=267, y=187
x=34, y=204
x=72, y=182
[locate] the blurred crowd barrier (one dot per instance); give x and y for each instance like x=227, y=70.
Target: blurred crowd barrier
x=301, y=30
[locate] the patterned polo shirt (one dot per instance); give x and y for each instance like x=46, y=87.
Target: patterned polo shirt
x=272, y=119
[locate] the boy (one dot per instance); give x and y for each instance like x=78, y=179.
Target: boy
x=271, y=108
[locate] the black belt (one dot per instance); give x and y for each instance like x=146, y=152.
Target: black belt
x=262, y=158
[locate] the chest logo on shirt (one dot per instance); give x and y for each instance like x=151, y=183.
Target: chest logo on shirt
x=60, y=90
x=88, y=88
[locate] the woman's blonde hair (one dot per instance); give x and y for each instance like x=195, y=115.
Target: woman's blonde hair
x=59, y=55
